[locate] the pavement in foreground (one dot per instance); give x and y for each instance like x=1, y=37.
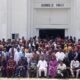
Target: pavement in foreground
x=35, y=79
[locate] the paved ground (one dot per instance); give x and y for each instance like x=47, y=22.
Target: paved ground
x=33, y=79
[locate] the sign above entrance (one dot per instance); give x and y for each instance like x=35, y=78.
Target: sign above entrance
x=51, y=5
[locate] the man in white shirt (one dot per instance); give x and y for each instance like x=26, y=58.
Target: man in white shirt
x=60, y=55
x=28, y=55
x=42, y=67
x=17, y=55
x=61, y=69
x=74, y=67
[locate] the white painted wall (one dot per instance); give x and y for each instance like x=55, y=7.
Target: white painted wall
x=26, y=18
x=52, y=17
x=19, y=17
x=75, y=18
x=3, y=19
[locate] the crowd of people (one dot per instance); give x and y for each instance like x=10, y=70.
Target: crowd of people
x=49, y=58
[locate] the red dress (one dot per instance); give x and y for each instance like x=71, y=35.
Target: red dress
x=11, y=67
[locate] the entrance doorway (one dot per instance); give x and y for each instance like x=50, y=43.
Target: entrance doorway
x=51, y=33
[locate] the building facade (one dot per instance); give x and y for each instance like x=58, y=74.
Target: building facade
x=30, y=18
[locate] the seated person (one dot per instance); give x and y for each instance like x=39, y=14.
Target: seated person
x=61, y=70
x=33, y=67
x=67, y=63
x=22, y=68
x=0, y=60
x=3, y=69
x=53, y=67
x=74, y=67
x=11, y=67
x=78, y=72
x=42, y=67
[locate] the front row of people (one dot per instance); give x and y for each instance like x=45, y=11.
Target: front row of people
x=58, y=68
x=41, y=68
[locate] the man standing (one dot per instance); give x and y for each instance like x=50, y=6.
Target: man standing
x=60, y=55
